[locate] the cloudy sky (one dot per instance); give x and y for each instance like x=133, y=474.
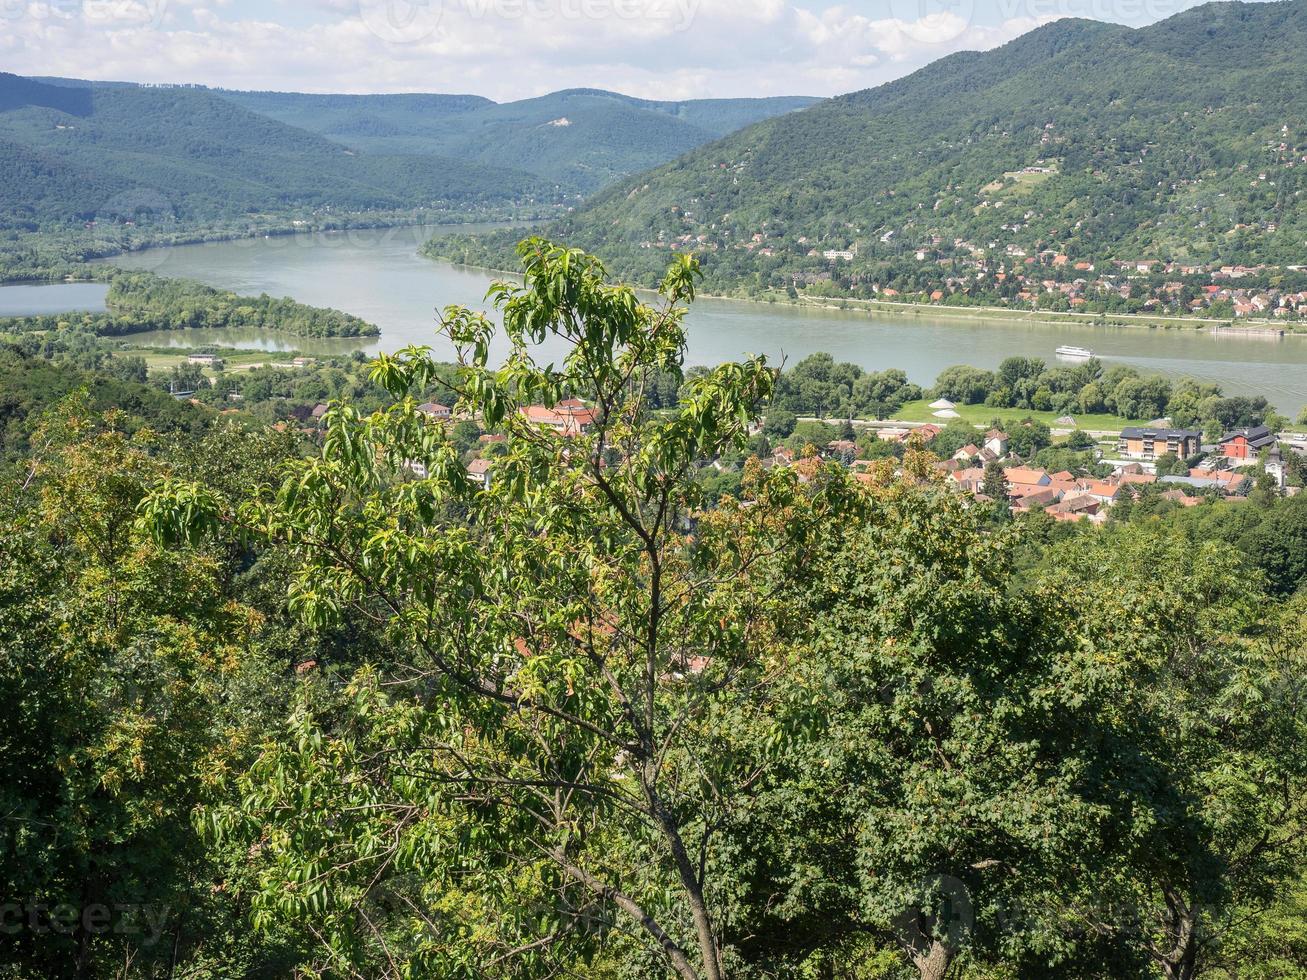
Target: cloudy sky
x=508, y=49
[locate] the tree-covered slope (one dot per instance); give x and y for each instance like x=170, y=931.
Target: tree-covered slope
x=582, y=139
x=30, y=386
x=109, y=152
x=1184, y=140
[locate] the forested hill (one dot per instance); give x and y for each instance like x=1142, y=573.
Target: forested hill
x=1183, y=140
x=583, y=139
x=31, y=386
x=116, y=153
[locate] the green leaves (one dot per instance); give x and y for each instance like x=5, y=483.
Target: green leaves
x=128, y=668
x=681, y=279
x=565, y=695
x=179, y=513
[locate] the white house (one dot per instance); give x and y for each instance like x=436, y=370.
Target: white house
x=996, y=442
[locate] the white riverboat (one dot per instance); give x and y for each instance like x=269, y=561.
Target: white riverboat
x=1075, y=353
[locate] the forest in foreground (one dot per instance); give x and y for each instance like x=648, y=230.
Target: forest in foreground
x=334, y=707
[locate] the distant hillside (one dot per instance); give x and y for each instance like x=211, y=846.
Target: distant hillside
x=72, y=154
x=583, y=139
x=1184, y=140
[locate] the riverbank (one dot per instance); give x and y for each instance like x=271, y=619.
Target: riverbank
x=381, y=277
x=1254, y=328
x=1235, y=329
x=73, y=257
x=1238, y=329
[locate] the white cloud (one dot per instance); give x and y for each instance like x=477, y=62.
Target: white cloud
x=505, y=49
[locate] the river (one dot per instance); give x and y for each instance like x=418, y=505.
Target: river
x=60, y=297
x=378, y=275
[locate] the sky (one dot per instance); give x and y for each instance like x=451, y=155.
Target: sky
x=511, y=49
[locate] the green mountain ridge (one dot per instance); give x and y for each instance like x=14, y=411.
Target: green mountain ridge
x=582, y=139
x=94, y=151
x=121, y=153
x=1185, y=140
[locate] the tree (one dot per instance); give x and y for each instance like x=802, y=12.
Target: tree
x=183, y=377
x=935, y=806
x=1278, y=545
x=953, y=437
x=779, y=423
x=463, y=436
x=128, y=367
x=123, y=664
x=995, y=484
x=1203, y=763
x=1014, y=370
x=1168, y=464
x=963, y=384
x=818, y=434
x=1029, y=437
x=581, y=689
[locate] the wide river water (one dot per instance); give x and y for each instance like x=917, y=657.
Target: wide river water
x=378, y=275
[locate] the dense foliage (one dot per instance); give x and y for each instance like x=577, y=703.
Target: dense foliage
x=30, y=385
x=180, y=304
x=322, y=704
x=834, y=729
x=1027, y=383
x=141, y=301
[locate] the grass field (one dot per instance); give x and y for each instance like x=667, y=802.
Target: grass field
x=163, y=359
x=920, y=411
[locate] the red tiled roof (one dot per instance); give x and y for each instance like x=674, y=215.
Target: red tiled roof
x=570, y=420
x=1027, y=475
x=1077, y=505
x=1039, y=498
x=1101, y=488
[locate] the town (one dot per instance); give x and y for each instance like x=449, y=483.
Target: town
x=1049, y=281
x=1166, y=464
